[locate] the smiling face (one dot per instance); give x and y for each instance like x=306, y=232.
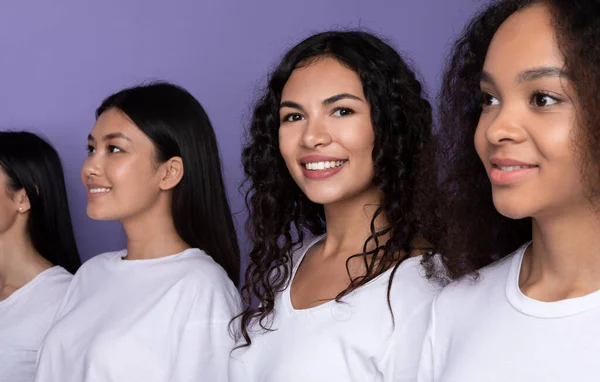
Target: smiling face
x=526, y=130
x=120, y=172
x=326, y=136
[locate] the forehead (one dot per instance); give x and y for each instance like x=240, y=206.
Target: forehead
x=321, y=78
x=524, y=41
x=114, y=121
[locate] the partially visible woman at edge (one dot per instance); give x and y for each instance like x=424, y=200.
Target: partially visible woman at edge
x=37, y=249
x=523, y=86
x=337, y=203
x=157, y=311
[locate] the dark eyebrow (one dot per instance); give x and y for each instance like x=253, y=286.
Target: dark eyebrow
x=292, y=105
x=339, y=97
x=110, y=136
x=536, y=73
x=528, y=75
x=328, y=101
x=486, y=77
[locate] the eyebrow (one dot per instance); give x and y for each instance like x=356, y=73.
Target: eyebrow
x=536, y=73
x=110, y=136
x=339, y=97
x=529, y=75
x=326, y=102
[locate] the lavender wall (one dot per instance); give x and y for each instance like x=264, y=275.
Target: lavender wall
x=59, y=59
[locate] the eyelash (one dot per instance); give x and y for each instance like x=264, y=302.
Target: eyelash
x=343, y=108
x=538, y=93
x=287, y=117
x=543, y=94
x=91, y=149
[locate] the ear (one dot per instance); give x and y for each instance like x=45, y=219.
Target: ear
x=22, y=201
x=172, y=173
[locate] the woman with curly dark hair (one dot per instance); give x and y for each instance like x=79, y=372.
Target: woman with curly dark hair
x=523, y=84
x=332, y=167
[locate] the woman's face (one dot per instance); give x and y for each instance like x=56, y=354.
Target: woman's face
x=525, y=136
x=120, y=172
x=326, y=136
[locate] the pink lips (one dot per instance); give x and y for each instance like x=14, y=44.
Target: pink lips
x=91, y=196
x=509, y=171
x=320, y=174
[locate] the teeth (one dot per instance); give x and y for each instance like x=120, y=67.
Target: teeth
x=513, y=168
x=315, y=166
x=98, y=190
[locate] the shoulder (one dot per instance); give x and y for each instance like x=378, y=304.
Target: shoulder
x=54, y=281
x=475, y=289
x=57, y=275
x=101, y=260
x=411, y=282
x=207, y=278
x=201, y=269
x=300, y=250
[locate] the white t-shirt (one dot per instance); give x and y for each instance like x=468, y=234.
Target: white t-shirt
x=157, y=320
x=354, y=340
x=490, y=331
x=25, y=318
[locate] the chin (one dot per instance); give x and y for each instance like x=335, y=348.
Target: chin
x=323, y=197
x=96, y=214
x=512, y=209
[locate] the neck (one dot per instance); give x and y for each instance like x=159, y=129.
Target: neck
x=348, y=224
x=564, y=258
x=152, y=235
x=19, y=263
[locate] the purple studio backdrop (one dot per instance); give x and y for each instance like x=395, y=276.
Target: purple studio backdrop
x=59, y=59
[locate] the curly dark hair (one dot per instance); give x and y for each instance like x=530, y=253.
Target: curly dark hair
x=280, y=215
x=474, y=234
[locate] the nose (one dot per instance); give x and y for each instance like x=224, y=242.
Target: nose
x=507, y=127
x=316, y=134
x=91, y=167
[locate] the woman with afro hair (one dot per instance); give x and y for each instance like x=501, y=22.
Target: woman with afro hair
x=523, y=86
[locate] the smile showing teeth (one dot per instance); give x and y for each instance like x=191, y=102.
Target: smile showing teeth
x=99, y=190
x=513, y=168
x=316, y=166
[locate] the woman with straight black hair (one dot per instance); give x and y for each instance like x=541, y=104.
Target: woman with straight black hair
x=337, y=203
x=37, y=249
x=157, y=311
x=519, y=149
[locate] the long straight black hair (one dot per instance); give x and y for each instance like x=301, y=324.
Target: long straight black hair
x=178, y=126
x=31, y=163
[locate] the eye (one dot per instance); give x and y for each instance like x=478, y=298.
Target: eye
x=541, y=99
x=488, y=100
x=90, y=149
x=113, y=149
x=342, y=112
x=292, y=117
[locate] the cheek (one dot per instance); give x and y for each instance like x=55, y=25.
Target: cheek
x=288, y=142
x=7, y=214
x=355, y=135
x=556, y=142
x=480, y=142
x=133, y=179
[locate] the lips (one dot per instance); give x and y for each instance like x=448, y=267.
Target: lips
x=97, y=190
x=321, y=166
x=507, y=171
